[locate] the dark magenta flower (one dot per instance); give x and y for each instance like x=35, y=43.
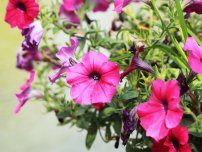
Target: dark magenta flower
x=99, y=106
x=176, y=141
x=162, y=111
x=194, y=7
x=27, y=92
x=21, y=13
x=129, y=124
x=136, y=63
x=33, y=35
x=100, y=5
x=66, y=56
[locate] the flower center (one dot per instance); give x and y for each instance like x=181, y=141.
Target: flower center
x=165, y=105
x=21, y=6
x=95, y=76
x=175, y=144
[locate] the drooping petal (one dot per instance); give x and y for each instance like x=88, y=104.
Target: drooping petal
x=192, y=46
x=52, y=78
x=173, y=118
x=66, y=53
x=29, y=81
x=195, y=63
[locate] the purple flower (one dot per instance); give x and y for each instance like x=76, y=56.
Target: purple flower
x=66, y=56
x=67, y=10
x=194, y=6
x=136, y=63
x=25, y=59
x=129, y=123
x=27, y=92
x=33, y=34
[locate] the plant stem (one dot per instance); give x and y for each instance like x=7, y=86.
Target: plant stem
x=181, y=19
x=175, y=42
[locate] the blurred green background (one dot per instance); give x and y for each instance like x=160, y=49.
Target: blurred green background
x=32, y=130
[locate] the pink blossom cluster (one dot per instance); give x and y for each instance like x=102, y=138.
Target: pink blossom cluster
x=94, y=79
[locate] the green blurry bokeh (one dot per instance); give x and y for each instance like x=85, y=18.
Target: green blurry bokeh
x=32, y=130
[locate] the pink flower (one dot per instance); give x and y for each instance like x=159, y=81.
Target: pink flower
x=66, y=56
x=120, y=4
x=26, y=92
x=162, y=112
x=100, y=5
x=176, y=141
x=195, y=56
x=67, y=10
x=93, y=80
x=21, y=13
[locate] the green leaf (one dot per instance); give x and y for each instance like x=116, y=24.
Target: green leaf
x=117, y=125
x=196, y=128
x=91, y=135
x=129, y=95
x=108, y=133
x=181, y=19
x=107, y=112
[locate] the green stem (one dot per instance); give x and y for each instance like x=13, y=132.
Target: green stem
x=181, y=19
x=175, y=42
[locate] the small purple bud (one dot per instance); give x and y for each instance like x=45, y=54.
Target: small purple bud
x=129, y=124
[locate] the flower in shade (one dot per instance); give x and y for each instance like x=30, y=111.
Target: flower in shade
x=100, y=5
x=67, y=10
x=99, y=106
x=176, y=141
x=21, y=13
x=66, y=56
x=193, y=6
x=93, y=80
x=136, y=63
x=129, y=123
x=25, y=59
x=195, y=56
x=27, y=92
x=162, y=111
x=33, y=35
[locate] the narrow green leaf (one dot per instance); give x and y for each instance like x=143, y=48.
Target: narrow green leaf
x=181, y=19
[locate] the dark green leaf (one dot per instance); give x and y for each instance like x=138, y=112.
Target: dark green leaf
x=91, y=135
x=196, y=128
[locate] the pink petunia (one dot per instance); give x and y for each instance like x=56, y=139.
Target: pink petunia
x=195, y=56
x=67, y=10
x=66, y=56
x=162, y=112
x=93, y=80
x=120, y=4
x=21, y=13
x=27, y=92
x=176, y=141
